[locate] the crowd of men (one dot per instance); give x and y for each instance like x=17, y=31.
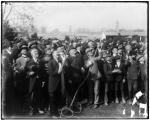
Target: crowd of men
x=42, y=77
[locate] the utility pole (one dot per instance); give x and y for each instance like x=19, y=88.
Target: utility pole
x=117, y=26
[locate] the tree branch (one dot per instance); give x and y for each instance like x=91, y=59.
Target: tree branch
x=9, y=12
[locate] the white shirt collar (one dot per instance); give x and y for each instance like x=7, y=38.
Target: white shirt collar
x=35, y=60
x=8, y=51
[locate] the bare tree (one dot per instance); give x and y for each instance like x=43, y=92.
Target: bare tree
x=6, y=10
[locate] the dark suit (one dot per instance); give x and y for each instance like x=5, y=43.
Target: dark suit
x=54, y=86
x=143, y=77
x=132, y=77
x=108, y=81
x=54, y=77
x=74, y=75
x=7, y=83
x=35, y=82
x=118, y=79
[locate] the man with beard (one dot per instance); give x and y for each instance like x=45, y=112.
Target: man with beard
x=35, y=73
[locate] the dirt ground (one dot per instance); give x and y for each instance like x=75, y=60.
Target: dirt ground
x=102, y=112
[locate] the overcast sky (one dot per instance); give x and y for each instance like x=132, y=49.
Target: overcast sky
x=94, y=16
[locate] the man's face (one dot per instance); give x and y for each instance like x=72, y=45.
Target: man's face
x=48, y=51
x=10, y=48
x=56, y=55
x=35, y=53
x=24, y=52
x=78, y=48
x=108, y=60
x=74, y=44
x=115, y=50
x=118, y=61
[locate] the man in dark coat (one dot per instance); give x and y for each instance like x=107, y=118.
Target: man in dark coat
x=143, y=75
x=7, y=80
x=35, y=70
x=132, y=75
x=119, y=76
x=55, y=87
x=74, y=73
x=108, y=79
x=46, y=58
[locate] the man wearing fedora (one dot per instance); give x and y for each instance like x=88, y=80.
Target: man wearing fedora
x=35, y=69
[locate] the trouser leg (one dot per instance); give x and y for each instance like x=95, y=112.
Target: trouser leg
x=90, y=90
x=122, y=91
x=106, y=93
x=135, y=86
x=53, y=109
x=96, y=91
x=130, y=88
x=116, y=90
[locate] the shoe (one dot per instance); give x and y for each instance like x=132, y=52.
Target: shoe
x=117, y=101
x=129, y=102
x=54, y=117
x=95, y=106
x=41, y=112
x=106, y=104
x=89, y=103
x=123, y=101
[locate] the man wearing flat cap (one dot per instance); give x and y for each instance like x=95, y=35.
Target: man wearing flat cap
x=91, y=63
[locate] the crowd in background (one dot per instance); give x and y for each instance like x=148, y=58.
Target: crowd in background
x=42, y=76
